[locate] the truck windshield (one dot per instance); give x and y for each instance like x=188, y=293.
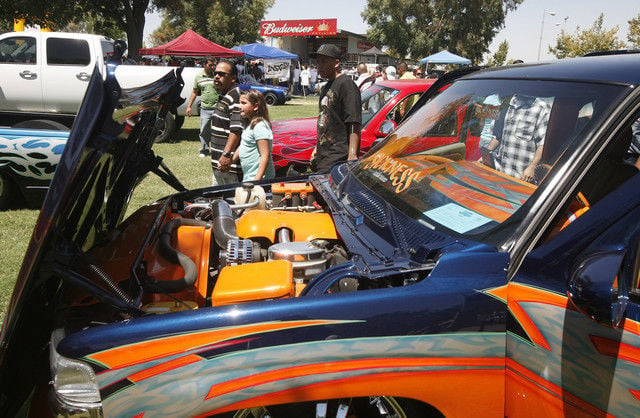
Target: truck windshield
x=471, y=157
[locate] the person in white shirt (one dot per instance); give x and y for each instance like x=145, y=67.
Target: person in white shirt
x=314, y=78
x=364, y=80
x=305, y=80
x=296, y=80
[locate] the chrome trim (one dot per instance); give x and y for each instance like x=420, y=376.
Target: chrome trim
x=59, y=406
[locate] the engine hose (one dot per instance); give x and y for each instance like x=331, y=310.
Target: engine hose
x=113, y=286
x=176, y=257
x=224, y=226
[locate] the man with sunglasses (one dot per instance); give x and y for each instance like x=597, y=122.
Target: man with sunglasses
x=226, y=125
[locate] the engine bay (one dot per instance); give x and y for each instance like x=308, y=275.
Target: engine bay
x=249, y=244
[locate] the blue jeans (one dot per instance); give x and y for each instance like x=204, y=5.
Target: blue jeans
x=205, y=129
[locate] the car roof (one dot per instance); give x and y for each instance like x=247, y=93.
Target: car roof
x=619, y=68
x=398, y=84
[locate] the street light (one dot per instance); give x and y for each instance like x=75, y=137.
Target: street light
x=544, y=12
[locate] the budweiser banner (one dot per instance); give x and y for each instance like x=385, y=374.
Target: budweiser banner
x=310, y=27
x=276, y=69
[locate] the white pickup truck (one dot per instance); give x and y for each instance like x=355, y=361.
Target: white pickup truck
x=43, y=77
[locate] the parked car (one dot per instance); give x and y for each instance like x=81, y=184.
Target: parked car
x=273, y=95
x=45, y=74
x=383, y=105
x=418, y=281
x=28, y=159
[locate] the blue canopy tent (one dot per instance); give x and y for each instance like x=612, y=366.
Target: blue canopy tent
x=255, y=50
x=445, y=57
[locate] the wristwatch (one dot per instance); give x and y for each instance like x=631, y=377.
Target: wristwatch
x=227, y=154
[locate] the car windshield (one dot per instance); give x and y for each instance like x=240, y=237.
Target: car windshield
x=471, y=157
x=373, y=99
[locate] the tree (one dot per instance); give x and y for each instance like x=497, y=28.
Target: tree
x=125, y=15
x=52, y=14
x=227, y=22
x=593, y=39
x=420, y=28
x=167, y=31
x=634, y=32
x=498, y=59
x=89, y=24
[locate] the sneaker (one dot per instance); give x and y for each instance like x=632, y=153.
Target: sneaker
x=202, y=155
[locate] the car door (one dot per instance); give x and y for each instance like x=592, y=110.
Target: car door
x=20, y=74
x=69, y=65
x=573, y=340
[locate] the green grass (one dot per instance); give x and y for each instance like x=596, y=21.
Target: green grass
x=181, y=156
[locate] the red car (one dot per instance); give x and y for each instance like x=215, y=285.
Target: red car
x=384, y=104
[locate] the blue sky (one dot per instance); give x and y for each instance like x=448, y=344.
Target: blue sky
x=522, y=27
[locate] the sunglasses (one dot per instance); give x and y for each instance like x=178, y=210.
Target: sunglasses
x=220, y=73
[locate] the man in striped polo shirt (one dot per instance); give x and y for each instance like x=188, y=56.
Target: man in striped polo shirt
x=226, y=125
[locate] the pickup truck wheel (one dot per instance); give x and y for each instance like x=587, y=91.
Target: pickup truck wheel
x=51, y=125
x=167, y=131
x=179, y=121
x=6, y=191
x=271, y=99
x=372, y=406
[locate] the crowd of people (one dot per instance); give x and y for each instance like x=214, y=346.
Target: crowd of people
x=235, y=129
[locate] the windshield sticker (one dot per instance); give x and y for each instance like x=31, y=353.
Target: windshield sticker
x=457, y=218
x=400, y=173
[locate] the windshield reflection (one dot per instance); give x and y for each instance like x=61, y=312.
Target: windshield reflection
x=473, y=156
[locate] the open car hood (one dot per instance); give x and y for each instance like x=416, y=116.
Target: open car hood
x=106, y=156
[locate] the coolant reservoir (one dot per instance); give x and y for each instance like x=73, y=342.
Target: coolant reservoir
x=247, y=193
x=308, y=259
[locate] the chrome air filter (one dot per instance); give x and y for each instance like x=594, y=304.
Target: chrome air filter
x=308, y=260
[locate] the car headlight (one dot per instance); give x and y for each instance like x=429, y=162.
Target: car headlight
x=74, y=381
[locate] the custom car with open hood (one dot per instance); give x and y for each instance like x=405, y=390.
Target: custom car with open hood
x=424, y=280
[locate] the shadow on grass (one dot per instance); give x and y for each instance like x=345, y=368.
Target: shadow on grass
x=186, y=134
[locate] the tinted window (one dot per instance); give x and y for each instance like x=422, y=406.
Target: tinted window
x=61, y=51
x=373, y=99
x=107, y=50
x=18, y=50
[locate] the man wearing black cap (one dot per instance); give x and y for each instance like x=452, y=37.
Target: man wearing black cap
x=340, y=116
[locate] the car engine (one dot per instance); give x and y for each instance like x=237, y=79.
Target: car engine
x=251, y=246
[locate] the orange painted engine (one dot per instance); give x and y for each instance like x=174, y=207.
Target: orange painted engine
x=231, y=253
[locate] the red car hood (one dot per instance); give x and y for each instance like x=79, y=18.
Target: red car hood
x=294, y=140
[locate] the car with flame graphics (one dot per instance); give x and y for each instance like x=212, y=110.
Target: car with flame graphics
x=422, y=280
x=28, y=159
x=384, y=105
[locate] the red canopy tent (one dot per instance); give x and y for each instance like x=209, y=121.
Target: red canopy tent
x=191, y=44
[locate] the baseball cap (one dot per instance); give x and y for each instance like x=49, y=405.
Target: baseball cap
x=328, y=50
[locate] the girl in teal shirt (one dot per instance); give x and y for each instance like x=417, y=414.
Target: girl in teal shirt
x=254, y=151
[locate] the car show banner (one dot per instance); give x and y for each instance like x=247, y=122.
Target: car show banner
x=276, y=68
x=308, y=27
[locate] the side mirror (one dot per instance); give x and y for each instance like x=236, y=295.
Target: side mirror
x=386, y=127
x=592, y=287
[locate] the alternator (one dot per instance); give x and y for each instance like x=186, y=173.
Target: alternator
x=240, y=251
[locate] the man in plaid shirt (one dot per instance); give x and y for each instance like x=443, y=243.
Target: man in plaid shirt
x=519, y=150
x=633, y=154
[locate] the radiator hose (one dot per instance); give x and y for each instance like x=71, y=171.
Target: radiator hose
x=224, y=226
x=176, y=257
